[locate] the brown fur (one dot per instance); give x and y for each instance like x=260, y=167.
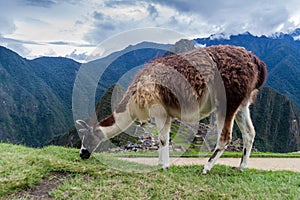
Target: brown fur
x=185, y=65
x=164, y=74
x=189, y=86
x=107, y=121
x=241, y=71
x=165, y=81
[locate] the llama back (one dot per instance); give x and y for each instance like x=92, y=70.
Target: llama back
x=242, y=72
x=165, y=80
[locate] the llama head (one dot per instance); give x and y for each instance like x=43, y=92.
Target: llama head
x=90, y=138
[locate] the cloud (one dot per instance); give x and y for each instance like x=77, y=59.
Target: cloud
x=119, y=16
x=193, y=18
x=152, y=11
x=17, y=45
x=77, y=56
x=50, y=52
x=64, y=43
x=70, y=24
x=103, y=26
x=98, y=15
x=15, y=41
x=19, y=48
x=40, y=3
x=182, y=6
x=7, y=25
x=118, y=3
x=59, y=43
x=269, y=21
x=234, y=16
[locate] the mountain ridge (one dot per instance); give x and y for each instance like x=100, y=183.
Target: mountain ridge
x=36, y=95
x=27, y=103
x=276, y=53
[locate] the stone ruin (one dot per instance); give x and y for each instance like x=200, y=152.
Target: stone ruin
x=202, y=137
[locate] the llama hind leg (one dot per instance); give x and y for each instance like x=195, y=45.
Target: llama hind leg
x=163, y=126
x=244, y=122
x=224, y=138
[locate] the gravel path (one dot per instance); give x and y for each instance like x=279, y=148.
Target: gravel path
x=292, y=164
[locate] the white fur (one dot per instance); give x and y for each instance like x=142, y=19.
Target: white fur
x=243, y=120
x=122, y=122
x=163, y=124
x=147, y=101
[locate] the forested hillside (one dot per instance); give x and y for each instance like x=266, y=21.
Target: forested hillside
x=30, y=112
x=281, y=54
x=277, y=122
x=36, y=95
x=275, y=117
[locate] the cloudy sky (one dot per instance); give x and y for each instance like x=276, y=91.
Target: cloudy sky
x=74, y=28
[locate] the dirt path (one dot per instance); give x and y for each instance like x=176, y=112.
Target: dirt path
x=292, y=164
x=41, y=189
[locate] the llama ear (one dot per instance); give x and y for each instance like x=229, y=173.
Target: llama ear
x=80, y=124
x=83, y=129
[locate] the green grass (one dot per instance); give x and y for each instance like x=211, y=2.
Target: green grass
x=208, y=154
x=96, y=178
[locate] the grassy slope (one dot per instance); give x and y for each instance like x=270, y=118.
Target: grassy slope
x=22, y=167
x=226, y=154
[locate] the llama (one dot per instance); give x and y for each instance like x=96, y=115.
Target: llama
x=188, y=86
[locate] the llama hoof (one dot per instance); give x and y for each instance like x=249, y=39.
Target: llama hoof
x=204, y=172
x=237, y=169
x=164, y=168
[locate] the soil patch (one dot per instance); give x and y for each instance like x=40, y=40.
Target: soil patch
x=42, y=189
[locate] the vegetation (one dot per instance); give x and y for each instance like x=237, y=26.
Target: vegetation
x=277, y=124
x=281, y=56
x=226, y=154
x=30, y=113
x=36, y=95
x=35, y=102
x=23, y=169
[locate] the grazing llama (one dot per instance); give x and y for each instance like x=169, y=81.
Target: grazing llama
x=188, y=86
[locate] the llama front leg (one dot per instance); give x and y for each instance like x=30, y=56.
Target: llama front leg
x=163, y=126
x=164, y=160
x=224, y=138
x=244, y=122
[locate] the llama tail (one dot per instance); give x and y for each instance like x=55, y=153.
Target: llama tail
x=262, y=72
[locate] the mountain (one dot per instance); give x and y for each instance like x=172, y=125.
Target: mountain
x=275, y=117
x=295, y=34
x=277, y=122
x=30, y=113
x=280, y=53
x=125, y=62
x=36, y=95
x=95, y=77
x=59, y=74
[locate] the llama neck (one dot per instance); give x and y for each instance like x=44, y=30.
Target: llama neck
x=114, y=124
